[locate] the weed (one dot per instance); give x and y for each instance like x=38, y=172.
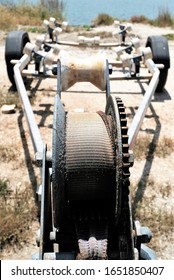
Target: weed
x=165, y=147
x=164, y=18
x=169, y=36
x=4, y=188
x=86, y=27
x=103, y=19
x=9, y=97
x=17, y=212
x=144, y=146
x=141, y=147
x=35, y=29
x=139, y=19
x=8, y=152
x=13, y=15
x=155, y=210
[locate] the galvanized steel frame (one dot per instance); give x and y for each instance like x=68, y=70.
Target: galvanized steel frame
x=34, y=130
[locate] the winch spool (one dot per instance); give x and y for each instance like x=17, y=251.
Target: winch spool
x=83, y=158
x=91, y=178
x=90, y=168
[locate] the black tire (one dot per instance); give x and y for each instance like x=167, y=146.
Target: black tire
x=15, y=42
x=160, y=54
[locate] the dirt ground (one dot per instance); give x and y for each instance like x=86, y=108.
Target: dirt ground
x=158, y=122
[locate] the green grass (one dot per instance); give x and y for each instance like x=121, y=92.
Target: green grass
x=169, y=36
x=35, y=29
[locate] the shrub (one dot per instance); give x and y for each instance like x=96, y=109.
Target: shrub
x=103, y=19
x=139, y=19
x=164, y=18
x=17, y=211
x=26, y=13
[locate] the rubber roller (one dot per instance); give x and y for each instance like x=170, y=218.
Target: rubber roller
x=40, y=40
x=29, y=48
x=91, y=70
x=147, y=53
x=126, y=60
x=94, y=41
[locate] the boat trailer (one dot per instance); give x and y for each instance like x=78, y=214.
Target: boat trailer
x=85, y=197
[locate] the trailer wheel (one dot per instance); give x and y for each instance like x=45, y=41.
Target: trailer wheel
x=160, y=53
x=15, y=42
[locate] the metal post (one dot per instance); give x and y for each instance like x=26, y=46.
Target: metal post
x=138, y=119
x=34, y=130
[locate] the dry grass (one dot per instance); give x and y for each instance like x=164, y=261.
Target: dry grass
x=165, y=147
x=164, y=18
x=144, y=146
x=103, y=19
x=14, y=15
x=17, y=211
x=9, y=97
x=155, y=210
x=139, y=19
x=102, y=34
x=9, y=152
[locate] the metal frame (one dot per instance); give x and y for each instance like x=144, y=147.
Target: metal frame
x=34, y=131
x=43, y=158
x=138, y=118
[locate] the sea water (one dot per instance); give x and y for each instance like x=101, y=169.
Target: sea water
x=82, y=12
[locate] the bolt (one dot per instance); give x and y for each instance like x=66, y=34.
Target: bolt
x=131, y=158
x=146, y=235
x=136, y=254
x=49, y=256
x=53, y=235
x=38, y=159
x=110, y=68
x=39, y=193
x=38, y=237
